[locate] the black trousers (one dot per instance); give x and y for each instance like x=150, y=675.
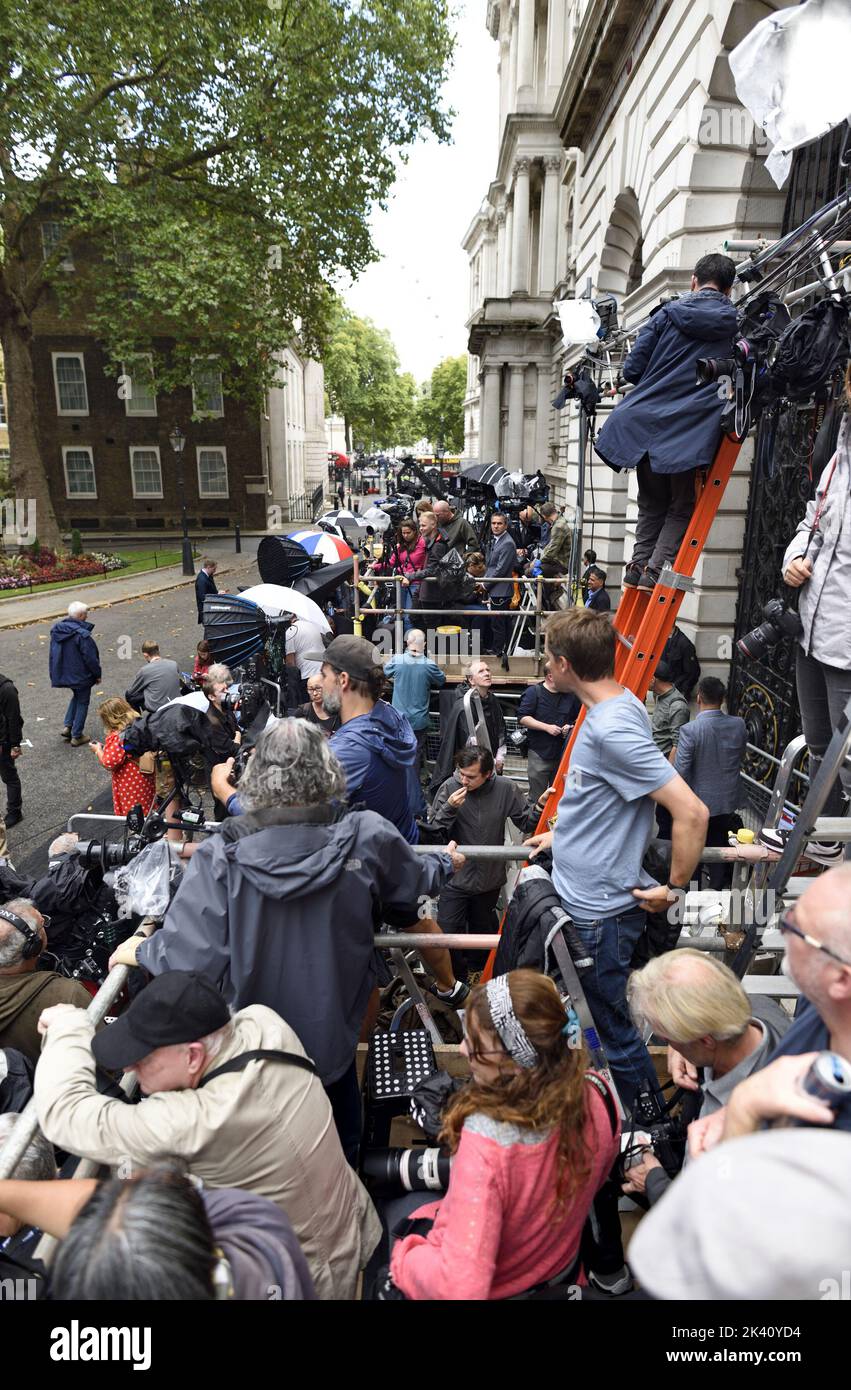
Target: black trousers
x=458, y=911
x=9, y=775
x=665, y=506
x=499, y=627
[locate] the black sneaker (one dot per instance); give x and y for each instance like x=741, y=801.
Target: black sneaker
x=631, y=576
x=648, y=580
x=13, y=818
x=824, y=852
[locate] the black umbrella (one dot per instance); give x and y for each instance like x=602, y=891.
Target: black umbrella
x=320, y=584
x=488, y=474
x=281, y=560
x=235, y=628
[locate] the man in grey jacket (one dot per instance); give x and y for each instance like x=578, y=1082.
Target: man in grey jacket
x=473, y=806
x=280, y=908
x=157, y=682
x=818, y=562
x=457, y=531
x=709, y=759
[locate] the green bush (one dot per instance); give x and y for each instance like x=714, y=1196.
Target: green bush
x=76, y=542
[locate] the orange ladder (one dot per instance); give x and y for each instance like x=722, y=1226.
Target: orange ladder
x=644, y=621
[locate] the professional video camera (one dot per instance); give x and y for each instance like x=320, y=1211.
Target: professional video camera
x=249, y=697
x=139, y=831
x=779, y=621
x=654, y=1127
x=578, y=386
x=514, y=491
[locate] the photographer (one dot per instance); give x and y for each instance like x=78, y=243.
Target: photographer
x=533, y=1138
x=668, y=428
x=280, y=908
x=24, y=989
x=817, y=563
x=697, y=1006
x=405, y=556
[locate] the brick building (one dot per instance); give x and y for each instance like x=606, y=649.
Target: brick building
x=105, y=439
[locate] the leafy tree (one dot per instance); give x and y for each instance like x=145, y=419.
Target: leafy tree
x=441, y=407
x=222, y=156
x=364, y=384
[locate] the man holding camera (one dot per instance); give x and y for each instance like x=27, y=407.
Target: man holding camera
x=817, y=563
x=25, y=990
x=667, y=427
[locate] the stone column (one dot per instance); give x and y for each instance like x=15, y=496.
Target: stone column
x=513, y=454
x=542, y=420
x=555, y=44
x=500, y=287
x=505, y=291
x=525, y=47
x=489, y=414
x=520, y=239
x=489, y=267
x=547, y=273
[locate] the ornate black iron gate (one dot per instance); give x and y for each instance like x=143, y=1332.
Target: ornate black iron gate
x=763, y=692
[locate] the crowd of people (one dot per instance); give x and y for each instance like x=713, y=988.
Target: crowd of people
x=239, y=1170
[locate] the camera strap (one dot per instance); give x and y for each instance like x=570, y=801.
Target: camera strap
x=260, y=1054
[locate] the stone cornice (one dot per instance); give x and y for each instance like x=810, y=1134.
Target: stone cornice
x=538, y=125
x=600, y=51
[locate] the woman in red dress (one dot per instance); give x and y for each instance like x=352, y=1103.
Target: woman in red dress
x=130, y=786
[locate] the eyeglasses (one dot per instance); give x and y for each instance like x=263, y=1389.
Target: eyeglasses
x=785, y=924
x=475, y=1051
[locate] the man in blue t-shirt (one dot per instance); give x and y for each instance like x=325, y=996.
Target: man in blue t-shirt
x=605, y=822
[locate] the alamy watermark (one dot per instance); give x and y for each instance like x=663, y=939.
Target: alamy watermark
x=20, y=526
x=732, y=127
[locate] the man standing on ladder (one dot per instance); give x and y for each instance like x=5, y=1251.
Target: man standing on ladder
x=605, y=821
x=669, y=427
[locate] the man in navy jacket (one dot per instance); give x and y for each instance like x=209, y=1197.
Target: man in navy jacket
x=502, y=562
x=205, y=584
x=74, y=666
x=669, y=427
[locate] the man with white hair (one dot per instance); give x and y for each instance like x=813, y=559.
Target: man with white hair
x=74, y=666
x=25, y=990
x=236, y=1098
x=414, y=677
x=697, y=1006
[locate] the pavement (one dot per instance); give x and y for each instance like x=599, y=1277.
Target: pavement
x=59, y=780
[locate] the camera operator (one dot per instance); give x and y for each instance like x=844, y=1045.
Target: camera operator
x=225, y=735
x=24, y=989
x=667, y=428
x=697, y=1006
x=280, y=907
x=455, y=529
x=823, y=577
x=70, y=896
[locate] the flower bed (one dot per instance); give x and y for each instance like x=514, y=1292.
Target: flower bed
x=26, y=570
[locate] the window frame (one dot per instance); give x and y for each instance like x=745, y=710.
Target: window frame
x=219, y=449
x=67, y=262
x=145, y=449
x=81, y=358
x=140, y=414
x=79, y=449
x=208, y=414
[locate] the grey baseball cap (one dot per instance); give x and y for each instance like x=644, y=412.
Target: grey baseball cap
x=354, y=655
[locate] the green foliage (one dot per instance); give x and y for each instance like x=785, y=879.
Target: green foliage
x=76, y=542
x=364, y=383
x=441, y=406
x=224, y=155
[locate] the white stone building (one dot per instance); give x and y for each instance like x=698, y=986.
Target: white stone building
x=623, y=158
x=294, y=443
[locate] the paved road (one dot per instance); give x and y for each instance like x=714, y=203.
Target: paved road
x=59, y=780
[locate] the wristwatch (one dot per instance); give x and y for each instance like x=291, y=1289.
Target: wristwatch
x=676, y=888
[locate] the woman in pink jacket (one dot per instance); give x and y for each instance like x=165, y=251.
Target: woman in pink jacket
x=405, y=555
x=533, y=1138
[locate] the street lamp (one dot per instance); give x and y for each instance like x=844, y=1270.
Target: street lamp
x=177, y=440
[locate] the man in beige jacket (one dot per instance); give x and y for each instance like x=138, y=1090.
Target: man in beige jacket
x=238, y=1120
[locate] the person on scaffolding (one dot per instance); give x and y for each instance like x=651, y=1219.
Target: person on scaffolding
x=668, y=428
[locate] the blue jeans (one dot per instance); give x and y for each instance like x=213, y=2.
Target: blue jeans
x=611, y=941
x=75, y=714
x=407, y=602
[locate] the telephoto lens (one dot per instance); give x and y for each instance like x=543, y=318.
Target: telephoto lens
x=415, y=1170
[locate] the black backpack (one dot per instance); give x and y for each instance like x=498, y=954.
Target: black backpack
x=810, y=348
x=452, y=579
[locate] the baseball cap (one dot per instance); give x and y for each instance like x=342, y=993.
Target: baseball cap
x=177, y=1007
x=354, y=655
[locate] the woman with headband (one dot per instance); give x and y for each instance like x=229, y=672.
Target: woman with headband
x=533, y=1137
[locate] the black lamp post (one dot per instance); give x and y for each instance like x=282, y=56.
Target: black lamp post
x=177, y=440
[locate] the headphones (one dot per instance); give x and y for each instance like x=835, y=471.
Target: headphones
x=33, y=945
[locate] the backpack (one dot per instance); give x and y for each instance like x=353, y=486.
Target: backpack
x=809, y=349
x=451, y=577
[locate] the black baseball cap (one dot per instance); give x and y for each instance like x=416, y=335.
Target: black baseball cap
x=177, y=1007
x=354, y=655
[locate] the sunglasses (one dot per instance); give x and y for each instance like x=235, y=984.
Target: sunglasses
x=787, y=925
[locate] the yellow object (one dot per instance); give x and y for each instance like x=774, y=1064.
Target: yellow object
x=448, y=631
x=745, y=837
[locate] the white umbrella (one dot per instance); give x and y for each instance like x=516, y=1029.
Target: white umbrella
x=275, y=599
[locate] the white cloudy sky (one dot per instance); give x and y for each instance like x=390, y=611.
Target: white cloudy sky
x=418, y=290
